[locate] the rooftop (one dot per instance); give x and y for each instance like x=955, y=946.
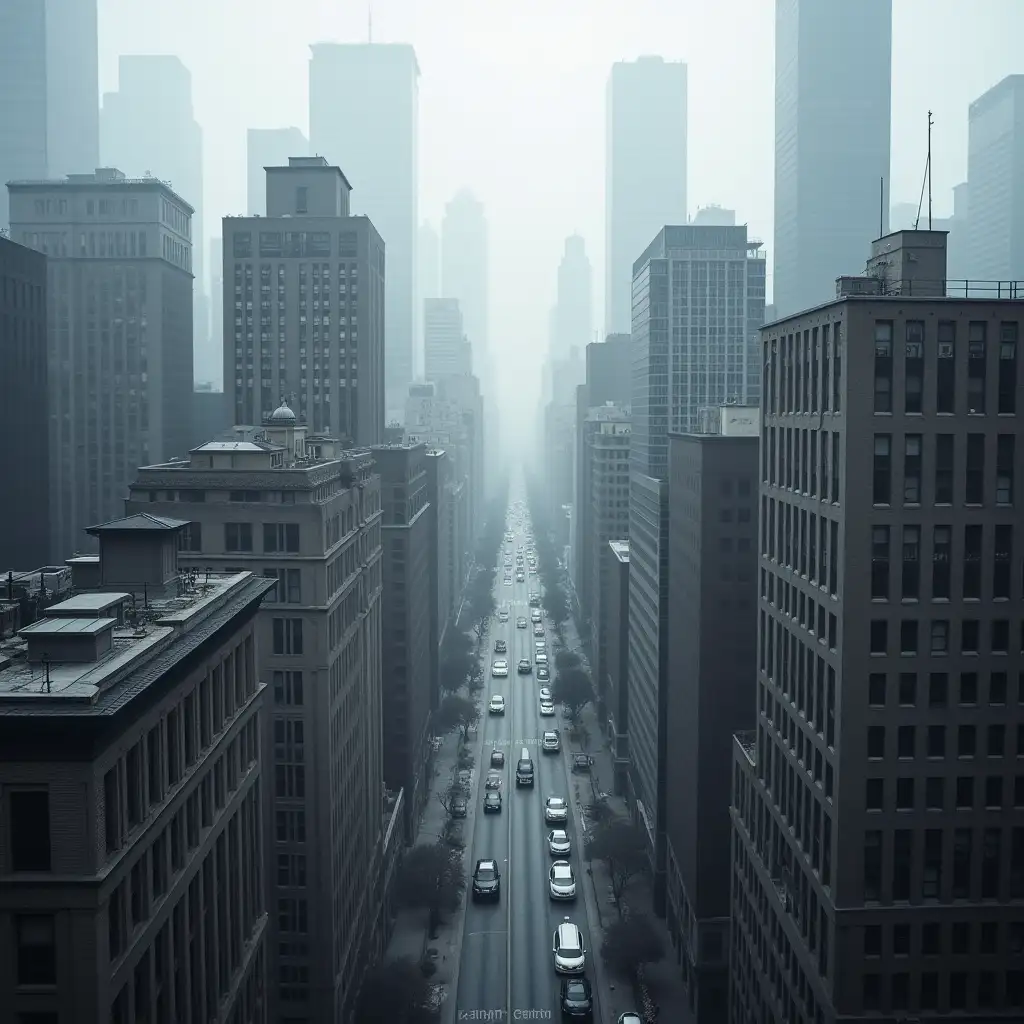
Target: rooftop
x=620, y=548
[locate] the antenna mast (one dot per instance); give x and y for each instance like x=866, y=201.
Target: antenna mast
x=369, y=21
x=927, y=182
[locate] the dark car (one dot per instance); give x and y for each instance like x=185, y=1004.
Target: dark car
x=486, y=880
x=500, y=647
x=492, y=802
x=497, y=758
x=493, y=780
x=581, y=762
x=543, y=675
x=577, y=1002
x=458, y=807
x=525, y=668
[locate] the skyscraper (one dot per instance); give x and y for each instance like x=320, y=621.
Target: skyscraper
x=304, y=306
x=148, y=127
x=268, y=147
x=364, y=115
x=832, y=105
x=216, y=264
x=464, y=264
x=574, y=314
x=119, y=335
x=995, y=177
x=446, y=350
x=49, y=91
x=645, y=170
x=428, y=280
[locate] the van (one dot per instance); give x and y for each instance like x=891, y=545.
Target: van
x=524, y=769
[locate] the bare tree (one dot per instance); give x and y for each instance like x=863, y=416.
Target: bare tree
x=621, y=845
x=456, y=712
x=396, y=990
x=630, y=943
x=431, y=877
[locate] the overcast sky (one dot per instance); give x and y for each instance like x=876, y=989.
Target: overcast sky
x=512, y=104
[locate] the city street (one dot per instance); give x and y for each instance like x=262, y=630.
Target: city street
x=506, y=961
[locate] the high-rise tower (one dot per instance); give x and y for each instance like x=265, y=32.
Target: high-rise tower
x=574, y=314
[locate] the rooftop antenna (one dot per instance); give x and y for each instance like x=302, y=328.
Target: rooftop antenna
x=927, y=182
x=881, y=207
x=369, y=21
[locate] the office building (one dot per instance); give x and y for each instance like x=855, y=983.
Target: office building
x=712, y=662
x=831, y=143
x=364, y=113
x=462, y=394
x=268, y=147
x=119, y=297
x=428, y=280
x=49, y=91
x=24, y=406
x=304, y=306
x=148, y=128
x=446, y=350
x=300, y=510
x=442, y=533
x=876, y=834
x=211, y=415
x=645, y=170
x=407, y=542
x=131, y=776
x=464, y=265
x=574, y=316
x=216, y=265
x=613, y=611
x=995, y=166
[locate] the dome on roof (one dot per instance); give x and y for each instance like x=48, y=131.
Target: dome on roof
x=282, y=414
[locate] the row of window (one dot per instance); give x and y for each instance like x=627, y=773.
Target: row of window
x=907, y=794
x=975, y=637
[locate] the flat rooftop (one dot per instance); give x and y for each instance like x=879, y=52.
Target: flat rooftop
x=168, y=629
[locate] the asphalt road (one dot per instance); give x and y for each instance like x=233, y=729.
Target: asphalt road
x=523, y=986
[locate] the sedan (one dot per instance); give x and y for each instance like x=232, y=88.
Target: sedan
x=503, y=616
x=520, y=623
x=508, y=581
x=541, y=645
x=555, y=809
x=457, y=808
x=486, y=880
x=499, y=669
x=561, y=881
x=545, y=695
x=493, y=780
x=629, y=1017
x=541, y=657
x=497, y=758
x=497, y=705
x=525, y=668
x=558, y=843
x=492, y=802
x=500, y=647
x=520, y=577
x=547, y=710
x=543, y=675
x=576, y=999
x=538, y=629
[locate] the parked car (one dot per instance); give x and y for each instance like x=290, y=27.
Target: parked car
x=581, y=763
x=457, y=808
x=500, y=647
x=556, y=810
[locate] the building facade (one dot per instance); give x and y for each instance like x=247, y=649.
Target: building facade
x=439, y=472
x=24, y=406
x=131, y=778
x=268, y=147
x=574, y=313
x=119, y=310
x=712, y=661
x=876, y=822
x=614, y=616
x=304, y=301
x=446, y=350
x=299, y=510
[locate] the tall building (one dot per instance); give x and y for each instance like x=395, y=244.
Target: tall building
x=698, y=301
x=268, y=147
x=429, y=277
x=876, y=834
x=24, y=407
x=574, y=315
x=613, y=609
x=364, y=112
x=409, y=648
x=301, y=511
x=148, y=127
x=316, y=275
x=446, y=348
x=995, y=166
x=442, y=533
x=645, y=170
x=831, y=143
x=216, y=265
x=130, y=762
x=119, y=307
x=49, y=91
x=715, y=216
x=464, y=266
x=462, y=394
x=712, y=662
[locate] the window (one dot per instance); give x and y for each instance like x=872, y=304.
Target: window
x=911, y=579
x=905, y=742
x=905, y=794
x=961, y=863
x=872, y=991
x=872, y=940
x=912, y=469
x=990, y=840
x=874, y=794
x=934, y=794
x=238, y=536
x=192, y=537
x=1007, y=383
x=1001, y=561
x=976, y=360
x=964, y=792
x=302, y=199
x=938, y=689
x=288, y=689
x=944, y=469
x=942, y=540
x=883, y=366
x=879, y=636
x=876, y=742
x=112, y=810
x=966, y=741
x=882, y=477
x=880, y=562
x=872, y=865
x=1004, y=469
x=997, y=686
x=908, y=689
x=876, y=689
x=908, y=636
x=29, y=811
x=972, y=561
x=945, y=367
x=974, y=490
x=939, y=636
x=913, y=367
x=287, y=636
x=288, y=589
x=931, y=878
x=936, y=743
x=37, y=951
x=280, y=537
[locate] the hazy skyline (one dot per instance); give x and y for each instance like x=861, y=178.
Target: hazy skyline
x=512, y=105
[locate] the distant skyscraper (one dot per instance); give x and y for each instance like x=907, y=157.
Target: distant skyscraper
x=319, y=329
x=464, y=264
x=428, y=279
x=216, y=310
x=120, y=337
x=49, y=91
x=995, y=174
x=147, y=127
x=268, y=147
x=832, y=105
x=364, y=115
x=714, y=216
x=645, y=169
x=446, y=350
x=574, y=313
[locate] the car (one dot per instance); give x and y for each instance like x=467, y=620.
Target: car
x=508, y=582
x=497, y=704
x=500, y=647
x=555, y=809
x=540, y=645
x=567, y=948
x=520, y=623
x=533, y=571
x=538, y=629
x=558, y=843
x=503, y=615
x=543, y=675
x=535, y=616
x=541, y=657
x=493, y=780
x=457, y=808
x=547, y=709
x=581, y=762
x=497, y=758
x=629, y=1017
x=550, y=742
x=499, y=668
x=492, y=802
x=520, y=577
x=525, y=668
x=561, y=881
x=486, y=880
x=545, y=695
x=576, y=999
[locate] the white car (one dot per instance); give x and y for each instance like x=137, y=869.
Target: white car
x=535, y=616
x=561, y=881
x=541, y=658
x=550, y=742
x=558, y=843
x=520, y=623
x=629, y=1017
x=555, y=809
x=497, y=705
x=547, y=710
x=567, y=947
x=545, y=695
x=538, y=629
x=499, y=669
x=508, y=582
x=503, y=616
x=540, y=645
